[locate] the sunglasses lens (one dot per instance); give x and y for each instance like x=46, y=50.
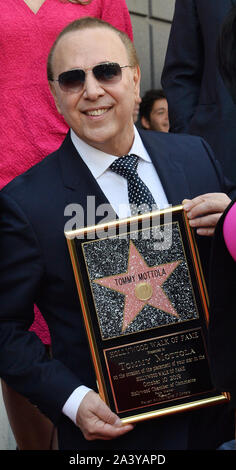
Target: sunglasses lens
x=107, y=73
x=73, y=80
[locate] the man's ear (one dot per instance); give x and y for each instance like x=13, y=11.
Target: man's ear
x=145, y=123
x=54, y=94
x=137, y=79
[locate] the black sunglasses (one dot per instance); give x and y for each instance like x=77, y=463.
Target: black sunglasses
x=107, y=73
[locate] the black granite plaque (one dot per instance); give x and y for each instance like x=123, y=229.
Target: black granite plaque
x=144, y=303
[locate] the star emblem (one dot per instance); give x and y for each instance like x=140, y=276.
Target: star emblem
x=141, y=285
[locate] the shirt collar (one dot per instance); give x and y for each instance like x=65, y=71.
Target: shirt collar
x=97, y=161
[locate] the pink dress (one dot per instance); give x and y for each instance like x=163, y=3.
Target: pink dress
x=30, y=126
x=229, y=231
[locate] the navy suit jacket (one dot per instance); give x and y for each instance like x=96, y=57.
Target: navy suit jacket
x=199, y=102
x=35, y=268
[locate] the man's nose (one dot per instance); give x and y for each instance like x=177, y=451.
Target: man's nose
x=92, y=87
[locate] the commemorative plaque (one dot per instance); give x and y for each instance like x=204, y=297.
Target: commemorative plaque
x=145, y=308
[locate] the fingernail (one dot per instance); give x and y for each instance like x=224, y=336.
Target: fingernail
x=118, y=422
x=192, y=223
x=187, y=206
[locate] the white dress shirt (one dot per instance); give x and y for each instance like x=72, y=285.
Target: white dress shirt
x=113, y=185
x=115, y=189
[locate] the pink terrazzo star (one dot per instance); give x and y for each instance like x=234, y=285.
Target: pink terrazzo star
x=141, y=278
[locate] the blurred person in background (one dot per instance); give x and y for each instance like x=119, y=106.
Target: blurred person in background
x=199, y=102
x=222, y=326
x=153, y=112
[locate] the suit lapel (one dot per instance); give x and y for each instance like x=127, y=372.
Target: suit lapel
x=79, y=184
x=170, y=172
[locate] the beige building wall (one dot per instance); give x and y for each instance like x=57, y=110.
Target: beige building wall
x=7, y=441
x=151, y=20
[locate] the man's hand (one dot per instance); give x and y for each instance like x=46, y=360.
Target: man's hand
x=204, y=211
x=97, y=421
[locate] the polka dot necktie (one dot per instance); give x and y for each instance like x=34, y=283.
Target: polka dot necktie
x=140, y=197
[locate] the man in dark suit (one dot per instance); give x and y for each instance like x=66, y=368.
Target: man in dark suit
x=96, y=96
x=199, y=102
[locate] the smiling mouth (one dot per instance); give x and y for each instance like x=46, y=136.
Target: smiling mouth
x=97, y=112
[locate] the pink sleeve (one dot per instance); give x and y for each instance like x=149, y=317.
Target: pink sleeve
x=116, y=13
x=229, y=231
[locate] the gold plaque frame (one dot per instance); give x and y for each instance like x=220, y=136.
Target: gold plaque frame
x=145, y=309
